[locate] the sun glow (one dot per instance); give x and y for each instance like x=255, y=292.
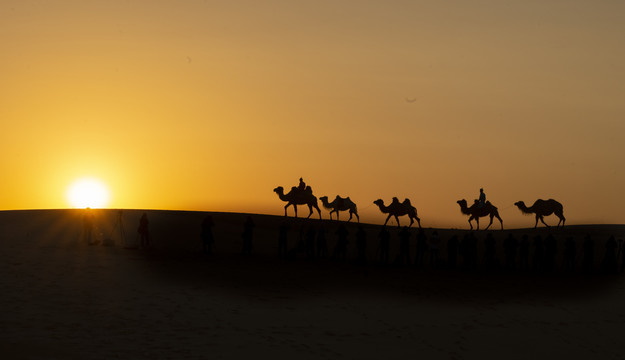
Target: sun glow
x=88, y=192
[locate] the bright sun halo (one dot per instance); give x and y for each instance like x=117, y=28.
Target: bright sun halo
x=88, y=192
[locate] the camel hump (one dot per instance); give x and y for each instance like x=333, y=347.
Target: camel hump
x=407, y=202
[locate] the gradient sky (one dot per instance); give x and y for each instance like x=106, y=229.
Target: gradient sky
x=209, y=105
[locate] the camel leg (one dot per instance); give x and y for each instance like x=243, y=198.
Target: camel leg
x=350, y=217
x=389, y=216
x=491, y=222
x=411, y=221
x=418, y=221
x=318, y=211
x=397, y=219
x=500, y=221
x=477, y=221
x=471, y=225
x=536, y=225
x=542, y=220
x=287, y=206
x=562, y=219
x=337, y=215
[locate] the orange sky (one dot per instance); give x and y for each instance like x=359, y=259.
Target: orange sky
x=209, y=105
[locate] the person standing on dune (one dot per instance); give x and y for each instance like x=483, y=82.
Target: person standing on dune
x=144, y=232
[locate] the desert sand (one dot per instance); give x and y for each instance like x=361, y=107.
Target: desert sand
x=62, y=298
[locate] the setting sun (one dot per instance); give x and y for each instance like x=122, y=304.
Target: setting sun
x=88, y=192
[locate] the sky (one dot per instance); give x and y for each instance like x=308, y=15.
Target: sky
x=209, y=105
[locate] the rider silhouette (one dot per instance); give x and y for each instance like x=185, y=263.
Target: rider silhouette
x=482, y=200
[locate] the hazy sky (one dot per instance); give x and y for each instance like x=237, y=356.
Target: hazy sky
x=209, y=105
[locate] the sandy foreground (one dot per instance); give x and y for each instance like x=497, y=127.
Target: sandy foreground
x=64, y=299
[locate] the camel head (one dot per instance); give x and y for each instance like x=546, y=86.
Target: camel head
x=324, y=198
x=379, y=202
x=522, y=207
x=462, y=203
x=279, y=190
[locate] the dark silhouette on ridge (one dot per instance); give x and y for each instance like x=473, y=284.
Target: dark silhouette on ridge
x=588, y=260
x=283, y=233
x=476, y=212
x=361, y=245
x=340, y=249
x=403, y=257
x=207, y=235
x=248, y=236
x=510, y=245
x=144, y=231
x=340, y=204
x=543, y=208
x=88, y=225
x=570, y=254
x=298, y=196
x=397, y=209
x=385, y=245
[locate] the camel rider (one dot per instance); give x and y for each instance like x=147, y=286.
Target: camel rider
x=302, y=186
x=482, y=200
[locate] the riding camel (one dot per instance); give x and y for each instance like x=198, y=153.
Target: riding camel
x=298, y=197
x=477, y=212
x=397, y=209
x=543, y=208
x=340, y=204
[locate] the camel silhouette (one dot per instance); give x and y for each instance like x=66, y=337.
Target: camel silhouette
x=340, y=204
x=543, y=208
x=397, y=209
x=477, y=212
x=297, y=197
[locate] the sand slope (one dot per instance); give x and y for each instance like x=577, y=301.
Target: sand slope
x=64, y=299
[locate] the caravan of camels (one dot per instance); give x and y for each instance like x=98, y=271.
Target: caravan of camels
x=303, y=195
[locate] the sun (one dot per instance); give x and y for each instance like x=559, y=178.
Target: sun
x=88, y=192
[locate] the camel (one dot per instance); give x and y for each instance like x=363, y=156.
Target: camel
x=340, y=204
x=297, y=197
x=399, y=209
x=476, y=212
x=543, y=208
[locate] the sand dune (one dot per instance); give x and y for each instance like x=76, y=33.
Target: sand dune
x=65, y=299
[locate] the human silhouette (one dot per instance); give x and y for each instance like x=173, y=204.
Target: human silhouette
x=434, y=246
x=322, y=243
x=361, y=245
x=248, y=235
x=481, y=201
x=421, y=248
x=570, y=254
x=452, y=252
x=490, y=255
x=311, y=233
x=144, y=231
x=510, y=246
x=283, y=239
x=609, y=263
x=302, y=185
x=551, y=250
x=524, y=253
x=88, y=225
x=538, y=260
x=589, y=254
x=340, y=249
x=403, y=258
x=207, y=235
x=385, y=244
x=621, y=252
